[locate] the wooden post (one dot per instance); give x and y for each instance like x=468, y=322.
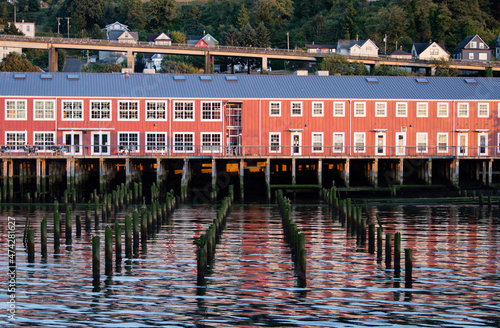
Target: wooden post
x=128, y=236
x=57, y=231
x=397, y=254
x=78, y=225
x=388, y=250
x=371, y=238
x=67, y=232
x=135, y=225
x=96, y=259
x=31, y=245
x=108, y=251
x=379, y=243
x=43, y=236
x=408, y=268
x=87, y=217
x=118, y=243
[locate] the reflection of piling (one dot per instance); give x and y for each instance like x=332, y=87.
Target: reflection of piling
x=371, y=238
x=31, y=245
x=379, y=243
x=87, y=218
x=67, y=231
x=408, y=268
x=397, y=254
x=108, y=251
x=43, y=236
x=144, y=226
x=388, y=250
x=57, y=231
x=135, y=225
x=118, y=243
x=78, y=225
x=96, y=259
x=128, y=236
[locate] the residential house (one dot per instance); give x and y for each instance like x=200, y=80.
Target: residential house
x=473, y=48
x=363, y=48
x=400, y=54
x=160, y=39
x=429, y=51
x=153, y=61
x=321, y=48
x=497, y=47
x=117, y=32
x=28, y=30
x=205, y=40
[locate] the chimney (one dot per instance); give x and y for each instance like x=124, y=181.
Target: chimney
x=401, y=48
x=356, y=37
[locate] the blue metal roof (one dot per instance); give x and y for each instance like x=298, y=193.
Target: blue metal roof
x=246, y=86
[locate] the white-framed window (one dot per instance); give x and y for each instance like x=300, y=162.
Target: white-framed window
x=72, y=110
x=275, y=108
x=442, y=142
x=359, y=109
x=100, y=110
x=463, y=110
x=482, y=142
x=339, y=109
x=43, y=141
x=296, y=108
x=184, y=142
x=422, y=110
x=156, y=141
x=498, y=143
x=317, y=108
x=338, y=142
x=401, y=109
x=421, y=142
x=128, y=110
x=15, y=140
x=471, y=55
x=317, y=142
x=483, y=56
x=380, y=109
x=442, y=110
x=359, y=142
x=156, y=111
x=483, y=110
x=211, y=142
x=211, y=111
x=15, y=109
x=274, y=142
x=100, y=143
x=44, y=109
x=128, y=142
x=183, y=110
x=473, y=44
x=481, y=45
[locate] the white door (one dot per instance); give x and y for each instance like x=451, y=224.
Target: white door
x=462, y=144
x=483, y=144
x=380, y=144
x=100, y=143
x=296, y=143
x=400, y=143
x=73, y=142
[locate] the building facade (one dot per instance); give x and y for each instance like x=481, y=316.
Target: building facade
x=229, y=115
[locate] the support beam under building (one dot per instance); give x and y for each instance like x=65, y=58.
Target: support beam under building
x=346, y=172
x=268, y=179
x=428, y=171
x=242, y=179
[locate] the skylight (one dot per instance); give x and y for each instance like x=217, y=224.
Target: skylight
x=371, y=80
x=422, y=81
x=46, y=76
x=19, y=76
x=206, y=78
x=232, y=78
x=179, y=78
x=73, y=77
x=470, y=81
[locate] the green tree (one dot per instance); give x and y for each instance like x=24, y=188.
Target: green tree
x=231, y=37
x=335, y=64
x=84, y=13
x=443, y=68
x=174, y=66
x=178, y=37
x=33, y=5
x=262, y=36
x=15, y=62
x=161, y=13
x=102, y=68
x=382, y=70
x=12, y=29
x=248, y=36
x=243, y=19
x=192, y=23
x=97, y=33
x=131, y=12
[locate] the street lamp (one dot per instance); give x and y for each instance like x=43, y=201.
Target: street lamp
x=68, y=18
x=58, y=23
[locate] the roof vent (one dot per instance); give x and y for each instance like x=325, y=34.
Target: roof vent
x=19, y=76
x=371, y=80
x=422, y=81
x=46, y=76
x=470, y=81
x=231, y=78
x=206, y=78
x=73, y=77
x=179, y=78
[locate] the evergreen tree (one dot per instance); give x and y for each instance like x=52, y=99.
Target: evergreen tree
x=131, y=12
x=262, y=36
x=15, y=62
x=84, y=13
x=243, y=19
x=248, y=36
x=161, y=13
x=12, y=29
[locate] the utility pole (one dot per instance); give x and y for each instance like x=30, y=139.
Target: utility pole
x=15, y=11
x=58, y=23
x=385, y=41
x=68, y=18
x=287, y=41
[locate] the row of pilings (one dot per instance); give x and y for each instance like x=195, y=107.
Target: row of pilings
x=294, y=238
x=351, y=218
x=207, y=242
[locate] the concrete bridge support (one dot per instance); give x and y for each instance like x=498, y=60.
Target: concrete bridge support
x=130, y=60
x=52, y=59
x=294, y=171
x=264, y=65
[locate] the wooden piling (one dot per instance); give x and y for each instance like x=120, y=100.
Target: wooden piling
x=108, y=251
x=78, y=225
x=379, y=243
x=67, y=231
x=135, y=226
x=371, y=238
x=118, y=243
x=408, y=268
x=43, y=236
x=144, y=227
x=96, y=259
x=388, y=250
x=57, y=231
x=397, y=254
x=87, y=218
x=31, y=245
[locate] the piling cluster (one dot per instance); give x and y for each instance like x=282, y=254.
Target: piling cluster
x=351, y=217
x=206, y=243
x=293, y=236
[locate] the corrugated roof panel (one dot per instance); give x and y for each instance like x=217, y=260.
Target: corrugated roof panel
x=248, y=86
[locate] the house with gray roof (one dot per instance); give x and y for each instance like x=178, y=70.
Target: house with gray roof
x=473, y=48
x=363, y=48
x=117, y=32
x=429, y=51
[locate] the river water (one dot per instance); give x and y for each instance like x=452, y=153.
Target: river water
x=456, y=253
